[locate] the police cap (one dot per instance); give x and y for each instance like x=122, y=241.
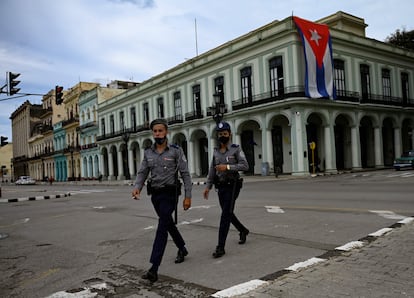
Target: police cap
x=223, y=125
x=159, y=121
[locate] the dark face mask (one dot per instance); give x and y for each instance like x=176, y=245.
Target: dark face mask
x=223, y=139
x=160, y=141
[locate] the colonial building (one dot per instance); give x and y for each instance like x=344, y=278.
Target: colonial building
x=24, y=121
x=41, y=147
x=66, y=134
x=6, y=166
x=257, y=80
x=88, y=128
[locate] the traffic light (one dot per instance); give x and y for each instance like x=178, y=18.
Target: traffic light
x=12, y=83
x=3, y=141
x=59, y=94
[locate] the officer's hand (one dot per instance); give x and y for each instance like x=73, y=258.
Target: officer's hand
x=206, y=192
x=187, y=203
x=221, y=168
x=135, y=194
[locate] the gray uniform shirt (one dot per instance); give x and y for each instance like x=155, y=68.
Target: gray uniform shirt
x=163, y=167
x=234, y=157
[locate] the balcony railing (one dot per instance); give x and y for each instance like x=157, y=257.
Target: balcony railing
x=175, y=119
x=87, y=125
x=268, y=97
x=69, y=121
x=194, y=115
x=258, y=99
x=119, y=133
x=342, y=95
x=88, y=146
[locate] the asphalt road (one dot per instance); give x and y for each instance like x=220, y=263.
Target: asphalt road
x=99, y=237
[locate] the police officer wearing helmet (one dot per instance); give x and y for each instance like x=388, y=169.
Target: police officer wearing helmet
x=164, y=161
x=228, y=160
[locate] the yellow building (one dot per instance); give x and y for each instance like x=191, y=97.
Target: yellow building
x=6, y=155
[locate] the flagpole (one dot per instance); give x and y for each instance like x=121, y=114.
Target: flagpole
x=195, y=30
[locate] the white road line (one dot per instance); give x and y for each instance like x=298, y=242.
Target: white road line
x=274, y=209
x=388, y=214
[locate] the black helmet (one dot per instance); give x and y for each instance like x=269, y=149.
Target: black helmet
x=159, y=121
x=223, y=125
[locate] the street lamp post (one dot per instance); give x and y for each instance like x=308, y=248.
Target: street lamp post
x=219, y=107
x=125, y=138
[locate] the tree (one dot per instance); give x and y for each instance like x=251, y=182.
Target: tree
x=402, y=38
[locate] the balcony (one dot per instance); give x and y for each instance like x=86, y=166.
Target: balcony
x=342, y=95
x=88, y=146
x=119, y=133
x=175, y=119
x=194, y=115
x=69, y=121
x=87, y=125
x=258, y=99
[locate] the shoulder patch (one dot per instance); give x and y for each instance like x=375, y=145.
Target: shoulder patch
x=235, y=145
x=175, y=146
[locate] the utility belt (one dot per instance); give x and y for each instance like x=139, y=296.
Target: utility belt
x=169, y=188
x=238, y=182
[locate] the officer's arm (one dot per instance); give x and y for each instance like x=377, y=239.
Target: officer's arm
x=185, y=174
x=211, y=175
x=242, y=164
x=142, y=174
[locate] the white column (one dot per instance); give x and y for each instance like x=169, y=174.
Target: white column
x=82, y=167
x=191, y=160
x=101, y=163
x=397, y=142
x=356, y=148
x=211, y=145
x=237, y=139
x=330, y=151
x=378, y=148
x=299, y=145
x=110, y=166
x=121, y=172
x=269, y=148
x=131, y=164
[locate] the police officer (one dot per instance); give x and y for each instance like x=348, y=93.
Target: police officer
x=164, y=161
x=228, y=159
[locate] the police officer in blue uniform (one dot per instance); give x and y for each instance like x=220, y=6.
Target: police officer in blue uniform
x=164, y=161
x=227, y=161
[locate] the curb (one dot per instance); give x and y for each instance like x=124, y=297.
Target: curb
x=36, y=198
x=245, y=288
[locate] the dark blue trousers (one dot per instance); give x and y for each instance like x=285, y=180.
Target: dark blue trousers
x=164, y=205
x=227, y=198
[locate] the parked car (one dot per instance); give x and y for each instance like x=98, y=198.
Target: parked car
x=25, y=180
x=405, y=161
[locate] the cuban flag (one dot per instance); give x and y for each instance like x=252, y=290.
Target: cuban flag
x=318, y=57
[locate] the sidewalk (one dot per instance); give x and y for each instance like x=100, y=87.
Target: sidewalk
x=380, y=265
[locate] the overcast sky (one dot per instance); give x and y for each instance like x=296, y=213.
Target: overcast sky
x=63, y=42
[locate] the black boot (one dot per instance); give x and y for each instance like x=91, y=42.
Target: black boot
x=151, y=275
x=243, y=236
x=180, y=255
x=219, y=252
